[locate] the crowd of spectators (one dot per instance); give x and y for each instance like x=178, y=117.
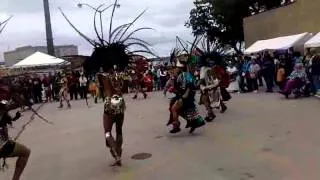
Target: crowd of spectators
x=45, y=87
x=267, y=71
x=276, y=69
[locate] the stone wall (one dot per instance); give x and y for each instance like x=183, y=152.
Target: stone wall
x=298, y=17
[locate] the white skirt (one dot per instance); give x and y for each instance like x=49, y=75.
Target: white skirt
x=234, y=86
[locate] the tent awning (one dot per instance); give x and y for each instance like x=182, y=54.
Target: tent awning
x=39, y=59
x=279, y=43
x=313, y=42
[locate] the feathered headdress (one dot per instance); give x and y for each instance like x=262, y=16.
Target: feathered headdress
x=182, y=54
x=3, y=24
x=114, y=49
x=210, y=59
x=140, y=64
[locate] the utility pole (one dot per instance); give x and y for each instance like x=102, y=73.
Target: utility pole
x=50, y=46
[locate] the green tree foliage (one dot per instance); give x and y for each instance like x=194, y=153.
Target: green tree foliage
x=221, y=21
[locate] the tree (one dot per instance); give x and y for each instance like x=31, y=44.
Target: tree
x=221, y=21
x=203, y=22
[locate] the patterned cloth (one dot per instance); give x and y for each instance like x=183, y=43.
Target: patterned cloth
x=183, y=82
x=210, y=86
x=298, y=72
x=186, y=80
x=192, y=115
x=114, y=105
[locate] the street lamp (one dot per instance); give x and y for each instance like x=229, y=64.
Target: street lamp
x=100, y=11
x=50, y=46
x=80, y=5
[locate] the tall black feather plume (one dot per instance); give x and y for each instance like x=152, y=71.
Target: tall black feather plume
x=4, y=23
x=114, y=50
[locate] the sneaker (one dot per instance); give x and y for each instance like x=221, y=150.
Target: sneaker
x=255, y=91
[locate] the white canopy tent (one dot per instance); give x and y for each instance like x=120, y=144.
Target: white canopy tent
x=39, y=59
x=279, y=43
x=314, y=42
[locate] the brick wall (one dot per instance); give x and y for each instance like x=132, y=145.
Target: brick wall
x=301, y=16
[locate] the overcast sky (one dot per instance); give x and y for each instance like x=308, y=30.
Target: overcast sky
x=27, y=27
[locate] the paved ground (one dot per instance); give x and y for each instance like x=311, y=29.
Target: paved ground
x=261, y=136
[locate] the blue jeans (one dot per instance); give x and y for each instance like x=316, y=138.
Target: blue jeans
x=316, y=82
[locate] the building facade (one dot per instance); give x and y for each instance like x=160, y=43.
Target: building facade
x=13, y=57
x=298, y=17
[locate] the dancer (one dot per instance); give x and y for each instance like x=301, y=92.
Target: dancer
x=209, y=86
x=10, y=148
x=139, y=85
x=114, y=108
x=99, y=90
x=11, y=97
x=183, y=104
x=110, y=52
x=141, y=66
x=224, y=81
x=64, y=92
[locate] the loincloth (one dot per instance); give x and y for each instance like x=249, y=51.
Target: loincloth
x=114, y=105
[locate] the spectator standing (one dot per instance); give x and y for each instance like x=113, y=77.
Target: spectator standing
x=83, y=86
x=47, y=88
x=281, y=76
x=241, y=77
x=158, y=79
x=268, y=71
x=163, y=77
x=72, y=84
x=37, y=90
x=254, y=71
x=56, y=86
x=315, y=73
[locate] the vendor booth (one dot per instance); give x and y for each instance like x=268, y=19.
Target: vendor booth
x=39, y=59
x=279, y=43
x=314, y=42
x=38, y=62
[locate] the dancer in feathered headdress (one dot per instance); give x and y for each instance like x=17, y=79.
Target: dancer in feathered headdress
x=212, y=80
x=11, y=99
x=112, y=55
x=183, y=104
x=139, y=69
